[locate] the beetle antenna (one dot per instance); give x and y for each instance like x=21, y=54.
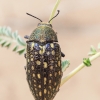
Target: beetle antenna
x=33, y=16
x=54, y=16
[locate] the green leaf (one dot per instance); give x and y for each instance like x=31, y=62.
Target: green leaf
x=9, y=32
x=15, y=48
x=87, y=62
x=2, y=42
x=7, y=44
x=92, y=51
x=3, y=30
x=21, y=51
x=15, y=35
x=21, y=41
x=7, y=38
x=65, y=64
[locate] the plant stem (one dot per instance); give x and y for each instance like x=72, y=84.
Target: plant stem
x=81, y=66
x=54, y=10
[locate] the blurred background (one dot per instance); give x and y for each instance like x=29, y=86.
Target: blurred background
x=78, y=27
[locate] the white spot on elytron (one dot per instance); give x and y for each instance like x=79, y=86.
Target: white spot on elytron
x=55, y=74
x=50, y=74
x=39, y=86
x=31, y=59
x=45, y=99
x=32, y=67
x=28, y=71
x=51, y=67
x=40, y=46
x=55, y=83
x=33, y=75
x=48, y=53
x=40, y=93
x=50, y=87
x=52, y=45
x=36, y=53
x=38, y=75
x=45, y=91
x=58, y=63
x=35, y=89
x=51, y=61
x=56, y=58
x=28, y=60
x=53, y=52
x=32, y=46
x=45, y=81
x=59, y=72
x=38, y=62
x=31, y=55
x=34, y=80
x=49, y=81
x=45, y=64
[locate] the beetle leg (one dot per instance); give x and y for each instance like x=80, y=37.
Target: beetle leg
x=62, y=54
x=25, y=67
x=26, y=37
x=25, y=55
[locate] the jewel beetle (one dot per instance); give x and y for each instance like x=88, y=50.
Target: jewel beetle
x=43, y=61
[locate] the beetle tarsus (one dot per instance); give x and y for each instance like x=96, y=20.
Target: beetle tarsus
x=25, y=55
x=62, y=54
x=26, y=37
x=25, y=67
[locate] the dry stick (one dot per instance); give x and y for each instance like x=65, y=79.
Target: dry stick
x=78, y=69
x=54, y=10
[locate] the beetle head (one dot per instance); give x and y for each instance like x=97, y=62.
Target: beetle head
x=44, y=24
x=44, y=32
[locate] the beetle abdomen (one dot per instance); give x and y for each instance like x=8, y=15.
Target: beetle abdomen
x=43, y=69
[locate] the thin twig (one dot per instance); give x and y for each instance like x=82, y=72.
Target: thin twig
x=54, y=10
x=81, y=66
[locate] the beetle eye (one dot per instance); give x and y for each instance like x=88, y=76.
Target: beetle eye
x=38, y=24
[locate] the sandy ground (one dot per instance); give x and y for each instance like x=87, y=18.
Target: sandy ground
x=78, y=27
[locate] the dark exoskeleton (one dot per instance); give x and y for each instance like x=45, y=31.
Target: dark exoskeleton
x=43, y=56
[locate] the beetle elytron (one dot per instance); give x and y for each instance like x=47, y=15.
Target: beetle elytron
x=43, y=56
